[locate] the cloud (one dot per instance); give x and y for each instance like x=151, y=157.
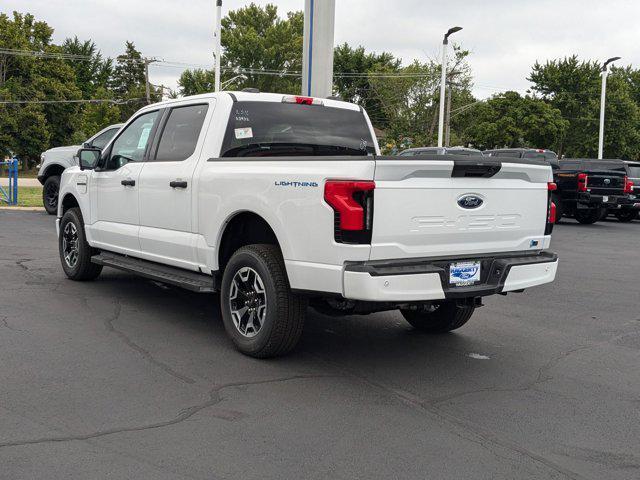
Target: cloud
x=505, y=37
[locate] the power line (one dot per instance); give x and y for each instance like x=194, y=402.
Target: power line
x=96, y=100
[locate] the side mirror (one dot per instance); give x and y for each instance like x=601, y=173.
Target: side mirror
x=88, y=158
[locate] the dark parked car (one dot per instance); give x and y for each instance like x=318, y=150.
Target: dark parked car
x=631, y=211
x=440, y=151
x=530, y=153
x=587, y=188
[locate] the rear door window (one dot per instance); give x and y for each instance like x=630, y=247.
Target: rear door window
x=180, y=133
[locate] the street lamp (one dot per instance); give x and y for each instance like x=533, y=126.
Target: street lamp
x=443, y=81
x=605, y=72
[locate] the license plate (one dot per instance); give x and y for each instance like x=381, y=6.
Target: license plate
x=464, y=273
x=605, y=199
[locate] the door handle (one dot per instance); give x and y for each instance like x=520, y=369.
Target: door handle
x=128, y=182
x=178, y=184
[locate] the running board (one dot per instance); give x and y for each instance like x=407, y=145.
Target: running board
x=196, y=282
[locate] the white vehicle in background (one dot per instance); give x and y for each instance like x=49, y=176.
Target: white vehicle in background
x=280, y=201
x=55, y=160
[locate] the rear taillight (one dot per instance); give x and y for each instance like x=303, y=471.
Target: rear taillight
x=628, y=185
x=552, y=213
x=352, y=202
x=551, y=207
x=582, y=182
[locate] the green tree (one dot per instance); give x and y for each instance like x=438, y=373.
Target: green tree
x=352, y=82
x=257, y=39
x=193, y=82
x=511, y=120
x=27, y=79
x=128, y=81
x=91, y=73
x=409, y=98
x=573, y=86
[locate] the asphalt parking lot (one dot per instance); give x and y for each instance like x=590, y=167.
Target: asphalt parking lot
x=126, y=378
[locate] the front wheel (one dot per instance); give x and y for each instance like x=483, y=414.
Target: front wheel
x=260, y=313
x=627, y=215
x=75, y=252
x=50, y=191
x=439, y=318
x=589, y=216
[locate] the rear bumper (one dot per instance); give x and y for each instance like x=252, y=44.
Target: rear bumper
x=417, y=280
x=588, y=200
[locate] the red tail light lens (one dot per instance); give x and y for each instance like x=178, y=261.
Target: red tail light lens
x=628, y=185
x=302, y=100
x=342, y=196
x=552, y=187
x=552, y=213
x=582, y=182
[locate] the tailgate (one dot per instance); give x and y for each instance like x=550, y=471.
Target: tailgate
x=605, y=182
x=438, y=206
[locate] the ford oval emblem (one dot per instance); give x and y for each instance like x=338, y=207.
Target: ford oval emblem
x=470, y=201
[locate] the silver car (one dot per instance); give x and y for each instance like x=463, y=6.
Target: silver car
x=55, y=160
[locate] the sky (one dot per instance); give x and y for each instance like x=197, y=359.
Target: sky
x=505, y=37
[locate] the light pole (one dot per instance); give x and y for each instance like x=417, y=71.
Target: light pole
x=218, y=45
x=443, y=81
x=605, y=72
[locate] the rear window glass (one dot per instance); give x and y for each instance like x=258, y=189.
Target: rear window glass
x=541, y=155
x=618, y=167
x=506, y=154
x=569, y=165
x=634, y=171
x=262, y=129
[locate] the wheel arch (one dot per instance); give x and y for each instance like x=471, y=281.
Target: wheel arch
x=55, y=169
x=69, y=200
x=241, y=228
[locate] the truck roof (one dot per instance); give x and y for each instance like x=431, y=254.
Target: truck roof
x=244, y=96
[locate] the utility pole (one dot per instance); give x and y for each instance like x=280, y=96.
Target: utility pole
x=605, y=72
x=443, y=80
x=218, y=43
x=147, y=62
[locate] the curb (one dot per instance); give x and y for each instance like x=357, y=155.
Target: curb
x=24, y=209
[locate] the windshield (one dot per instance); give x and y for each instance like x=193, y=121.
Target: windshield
x=263, y=129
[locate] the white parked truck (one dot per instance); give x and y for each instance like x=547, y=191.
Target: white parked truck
x=279, y=202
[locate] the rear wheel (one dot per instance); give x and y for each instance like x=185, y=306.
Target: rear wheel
x=627, y=215
x=260, y=313
x=50, y=191
x=75, y=252
x=589, y=216
x=439, y=318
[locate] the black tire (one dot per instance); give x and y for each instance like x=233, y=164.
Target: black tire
x=279, y=331
x=588, y=216
x=50, y=191
x=627, y=215
x=445, y=317
x=81, y=268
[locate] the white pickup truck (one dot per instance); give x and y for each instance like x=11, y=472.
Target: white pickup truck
x=279, y=202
